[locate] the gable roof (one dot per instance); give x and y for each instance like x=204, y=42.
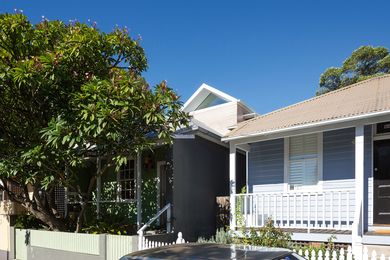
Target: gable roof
x=201, y=95
x=363, y=98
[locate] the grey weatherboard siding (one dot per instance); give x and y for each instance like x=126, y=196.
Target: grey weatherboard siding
x=266, y=164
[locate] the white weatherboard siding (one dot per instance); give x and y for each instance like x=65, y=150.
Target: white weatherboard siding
x=118, y=246
x=20, y=244
x=219, y=118
x=4, y=232
x=80, y=243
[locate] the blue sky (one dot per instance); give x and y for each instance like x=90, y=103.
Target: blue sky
x=267, y=53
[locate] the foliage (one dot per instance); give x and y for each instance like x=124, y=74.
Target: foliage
x=364, y=63
x=27, y=222
x=69, y=92
x=269, y=236
x=221, y=237
x=103, y=227
x=316, y=247
x=239, y=205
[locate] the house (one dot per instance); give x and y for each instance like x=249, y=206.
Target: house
x=201, y=161
x=319, y=167
x=8, y=211
x=187, y=175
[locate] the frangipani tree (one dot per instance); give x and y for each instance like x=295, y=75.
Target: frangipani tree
x=69, y=91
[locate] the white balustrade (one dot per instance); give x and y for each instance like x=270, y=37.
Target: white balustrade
x=328, y=209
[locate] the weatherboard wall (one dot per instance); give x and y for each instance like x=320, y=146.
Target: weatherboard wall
x=266, y=165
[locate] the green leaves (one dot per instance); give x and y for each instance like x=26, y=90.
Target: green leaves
x=68, y=93
x=364, y=63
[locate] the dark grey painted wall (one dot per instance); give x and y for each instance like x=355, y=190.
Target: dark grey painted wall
x=266, y=163
x=201, y=173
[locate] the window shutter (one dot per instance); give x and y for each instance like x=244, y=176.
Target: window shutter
x=303, y=160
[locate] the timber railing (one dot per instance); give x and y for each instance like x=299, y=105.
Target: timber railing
x=327, y=209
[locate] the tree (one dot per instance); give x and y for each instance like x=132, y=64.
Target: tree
x=69, y=92
x=365, y=62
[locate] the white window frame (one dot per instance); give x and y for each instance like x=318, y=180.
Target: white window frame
x=119, y=182
x=287, y=163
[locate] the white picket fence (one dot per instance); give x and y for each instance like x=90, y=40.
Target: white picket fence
x=327, y=255
x=146, y=243
x=340, y=255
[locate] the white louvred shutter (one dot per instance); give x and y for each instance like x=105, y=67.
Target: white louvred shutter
x=303, y=160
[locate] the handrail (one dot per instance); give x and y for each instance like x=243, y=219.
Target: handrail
x=292, y=192
x=140, y=232
x=168, y=206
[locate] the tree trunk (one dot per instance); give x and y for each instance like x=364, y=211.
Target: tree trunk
x=85, y=204
x=54, y=223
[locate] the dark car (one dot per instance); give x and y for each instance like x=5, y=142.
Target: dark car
x=213, y=251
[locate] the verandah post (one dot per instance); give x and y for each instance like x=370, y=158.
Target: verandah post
x=232, y=181
x=139, y=191
x=357, y=228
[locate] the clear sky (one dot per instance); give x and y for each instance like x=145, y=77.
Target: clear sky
x=267, y=53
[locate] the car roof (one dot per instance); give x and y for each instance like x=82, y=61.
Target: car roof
x=210, y=251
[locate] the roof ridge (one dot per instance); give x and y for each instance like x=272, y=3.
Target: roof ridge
x=306, y=101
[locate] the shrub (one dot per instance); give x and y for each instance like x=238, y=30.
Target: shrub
x=27, y=222
x=221, y=237
x=269, y=236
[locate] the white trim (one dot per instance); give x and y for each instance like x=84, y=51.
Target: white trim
x=320, y=158
x=208, y=90
x=200, y=111
x=232, y=182
x=320, y=155
x=180, y=136
x=118, y=181
x=286, y=150
x=98, y=187
x=380, y=137
x=323, y=123
x=371, y=203
x=247, y=171
x=138, y=181
x=158, y=183
x=358, y=224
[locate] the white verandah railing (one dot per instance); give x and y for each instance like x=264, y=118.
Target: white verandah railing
x=326, y=209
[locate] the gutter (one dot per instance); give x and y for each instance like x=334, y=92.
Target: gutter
x=323, y=123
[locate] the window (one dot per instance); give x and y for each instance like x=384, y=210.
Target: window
x=127, y=181
x=304, y=160
x=210, y=101
x=383, y=128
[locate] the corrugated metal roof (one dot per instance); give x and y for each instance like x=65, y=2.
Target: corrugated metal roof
x=369, y=96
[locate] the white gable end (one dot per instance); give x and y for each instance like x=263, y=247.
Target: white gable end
x=205, y=97
x=215, y=110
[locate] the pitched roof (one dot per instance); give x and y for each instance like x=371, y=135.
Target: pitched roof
x=366, y=97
